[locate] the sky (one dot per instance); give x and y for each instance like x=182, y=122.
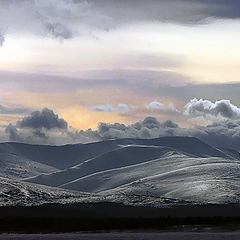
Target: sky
x=67, y=67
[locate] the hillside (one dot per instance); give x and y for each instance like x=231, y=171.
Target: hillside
x=143, y=172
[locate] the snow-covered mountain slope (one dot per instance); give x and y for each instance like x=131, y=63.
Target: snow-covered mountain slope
x=167, y=166
x=214, y=180
x=205, y=180
x=134, y=171
x=128, y=152
x=14, y=192
x=18, y=193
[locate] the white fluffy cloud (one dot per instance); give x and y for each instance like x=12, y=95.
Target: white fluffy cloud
x=219, y=110
x=121, y=108
x=104, y=108
x=155, y=105
x=159, y=107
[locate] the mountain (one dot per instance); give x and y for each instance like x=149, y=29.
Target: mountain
x=60, y=157
x=18, y=193
x=13, y=192
x=19, y=160
x=155, y=172
x=17, y=167
x=128, y=152
x=178, y=169
x=121, y=157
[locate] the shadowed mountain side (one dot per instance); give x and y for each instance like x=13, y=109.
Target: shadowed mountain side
x=231, y=152
x=60, y=157
x=66, y=156
x=188, y=145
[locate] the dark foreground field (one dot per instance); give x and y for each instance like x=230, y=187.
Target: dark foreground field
x=114, y=217
x=127, y=236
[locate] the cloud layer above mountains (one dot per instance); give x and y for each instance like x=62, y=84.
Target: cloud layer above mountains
x=46, y=127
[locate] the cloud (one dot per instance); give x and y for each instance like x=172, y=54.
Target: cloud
x=10, y=110
x=58, y=30
x=222, y=109
x=155, y=106
x=13, y=133
x=150, y=127
x=224, y=134
x=103, y=108
x=45, y=127
x=2, y=38
x=160, y=108
x=180, y=11
x=145, y=82
x=120, y=108
x=43, y=119
x=62, y=19
x=123, y=108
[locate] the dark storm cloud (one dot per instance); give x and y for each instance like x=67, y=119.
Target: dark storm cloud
x=231, y=8
x=43, y=119
x=180, y=11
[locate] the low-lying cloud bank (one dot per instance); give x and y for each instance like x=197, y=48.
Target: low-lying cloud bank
x=46, y=127
x=222, y=134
